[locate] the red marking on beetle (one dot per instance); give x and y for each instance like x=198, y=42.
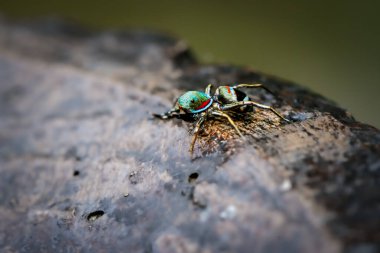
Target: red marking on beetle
x=204, y=104
x=229, y=90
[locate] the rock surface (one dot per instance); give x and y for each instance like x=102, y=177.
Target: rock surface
x=85, y=168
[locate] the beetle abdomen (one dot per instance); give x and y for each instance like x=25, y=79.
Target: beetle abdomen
x=194, y=101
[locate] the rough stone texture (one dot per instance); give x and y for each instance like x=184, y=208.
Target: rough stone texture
x=85, y=168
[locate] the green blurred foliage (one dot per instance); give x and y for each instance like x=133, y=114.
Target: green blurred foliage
x=332, y=47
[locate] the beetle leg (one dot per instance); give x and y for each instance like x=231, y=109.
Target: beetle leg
x=208, y=89
x=172, y=113
x=222, y=114
x=256, y=85
x=196, y=130
x=243, y=103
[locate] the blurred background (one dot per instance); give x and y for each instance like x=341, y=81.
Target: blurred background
x=331, y=47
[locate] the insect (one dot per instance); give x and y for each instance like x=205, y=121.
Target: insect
x=200, y=106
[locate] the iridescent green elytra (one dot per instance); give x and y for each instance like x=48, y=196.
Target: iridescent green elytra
x=201, y=105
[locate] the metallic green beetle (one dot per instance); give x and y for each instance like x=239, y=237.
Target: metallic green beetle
x=201, y=105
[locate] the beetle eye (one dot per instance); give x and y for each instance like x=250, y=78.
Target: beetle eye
x=192, y=101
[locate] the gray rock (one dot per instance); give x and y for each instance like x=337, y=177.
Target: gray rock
x=85, y=168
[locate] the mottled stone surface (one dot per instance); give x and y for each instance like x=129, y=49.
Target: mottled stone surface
x=85, y=168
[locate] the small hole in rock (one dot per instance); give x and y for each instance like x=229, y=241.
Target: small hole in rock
x=76, y=173
x=193, y=177
x=95, y=215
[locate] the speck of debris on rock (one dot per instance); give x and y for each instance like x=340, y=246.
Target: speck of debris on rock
x=286, y=185
x=228, y=213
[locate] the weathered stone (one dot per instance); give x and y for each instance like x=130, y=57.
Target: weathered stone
x=85, y=168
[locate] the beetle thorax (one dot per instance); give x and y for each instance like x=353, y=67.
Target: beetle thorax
x=225, y=94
